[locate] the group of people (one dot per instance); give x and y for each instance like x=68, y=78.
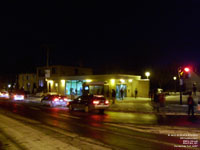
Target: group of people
x=159, y=101
x=121, y=94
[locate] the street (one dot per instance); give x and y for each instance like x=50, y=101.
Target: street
x=111, y=130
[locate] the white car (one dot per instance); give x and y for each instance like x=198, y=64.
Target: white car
x=4, y=95
x=17, y=96
x=55, y=100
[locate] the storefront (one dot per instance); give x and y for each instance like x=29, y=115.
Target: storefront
x=100, y=85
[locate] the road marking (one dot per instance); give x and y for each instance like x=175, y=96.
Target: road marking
x=64, y=115
x=35, y=108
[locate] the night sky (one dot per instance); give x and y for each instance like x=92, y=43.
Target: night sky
x=99, y=34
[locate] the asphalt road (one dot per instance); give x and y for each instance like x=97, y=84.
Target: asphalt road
x=118, y=130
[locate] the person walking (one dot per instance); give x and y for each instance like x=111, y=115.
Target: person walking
x=190, y=102
x=122, y=93
x=136, y=92
x=113, y=96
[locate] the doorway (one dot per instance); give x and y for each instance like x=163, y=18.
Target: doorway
x=118, y=88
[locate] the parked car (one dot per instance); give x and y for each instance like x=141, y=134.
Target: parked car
x=55, y=100
x=89, y=103
x=4, y=95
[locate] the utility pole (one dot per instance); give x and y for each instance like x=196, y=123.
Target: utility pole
x=47, y=63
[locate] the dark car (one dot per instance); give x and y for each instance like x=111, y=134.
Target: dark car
x=89, y=103
x=55, y=100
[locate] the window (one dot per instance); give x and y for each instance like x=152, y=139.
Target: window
x=41, y=83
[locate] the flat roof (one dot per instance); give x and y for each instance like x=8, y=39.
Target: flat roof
x=110, y=76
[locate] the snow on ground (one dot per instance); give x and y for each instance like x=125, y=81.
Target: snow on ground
x=16, y=135
x=165, y=130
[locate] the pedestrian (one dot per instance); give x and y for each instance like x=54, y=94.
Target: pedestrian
x=194, y=89
x=113, y=96
x=156, y=100
x=122, y=93
x=190, y=102
x=162, y=99
x=136, y=92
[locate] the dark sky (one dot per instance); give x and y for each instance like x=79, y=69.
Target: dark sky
x=93, y=33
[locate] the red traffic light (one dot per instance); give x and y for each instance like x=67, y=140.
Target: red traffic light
x=186, y=69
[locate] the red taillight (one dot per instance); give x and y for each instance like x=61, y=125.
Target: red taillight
x=106, y=102
x=56, y=99
x=95, y=102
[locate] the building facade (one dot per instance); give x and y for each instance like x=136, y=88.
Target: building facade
x=27, y=82
x=45, y=73
x=191, y=81
x=99, y=84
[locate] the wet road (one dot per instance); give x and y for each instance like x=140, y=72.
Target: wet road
x=117, y=129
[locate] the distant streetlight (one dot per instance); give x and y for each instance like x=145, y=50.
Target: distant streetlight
x=147, y=74
x=175, y=82
x=174, y=78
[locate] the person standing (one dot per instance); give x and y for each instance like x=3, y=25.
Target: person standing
x=113, y=96
x=156, y=104
x=122, y=93
x=194, y=89
x=136, y=92
x=162, y=99
x=190, y=102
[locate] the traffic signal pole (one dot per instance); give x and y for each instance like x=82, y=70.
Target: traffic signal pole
x=181, y=82
x=180, y=74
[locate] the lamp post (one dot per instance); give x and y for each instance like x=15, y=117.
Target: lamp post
x=147, y=74
x=175, y=82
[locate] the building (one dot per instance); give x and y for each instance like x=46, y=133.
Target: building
x=99, y=84
x=192, y=80
x=27, y=82
x=44, y=73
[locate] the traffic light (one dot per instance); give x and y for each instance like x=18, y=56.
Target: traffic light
x=180, y=73
x=186, y=72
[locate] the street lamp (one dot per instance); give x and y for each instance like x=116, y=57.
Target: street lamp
x=147, y=74
x=175, y=82
x=174, y=78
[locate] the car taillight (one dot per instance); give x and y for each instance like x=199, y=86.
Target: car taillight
x=95, y=102
x=107, y=102
x=56, y=99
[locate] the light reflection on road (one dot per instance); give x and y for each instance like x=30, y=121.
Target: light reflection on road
x=136, y=118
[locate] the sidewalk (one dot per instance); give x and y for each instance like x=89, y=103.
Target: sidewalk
x=144, y=105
